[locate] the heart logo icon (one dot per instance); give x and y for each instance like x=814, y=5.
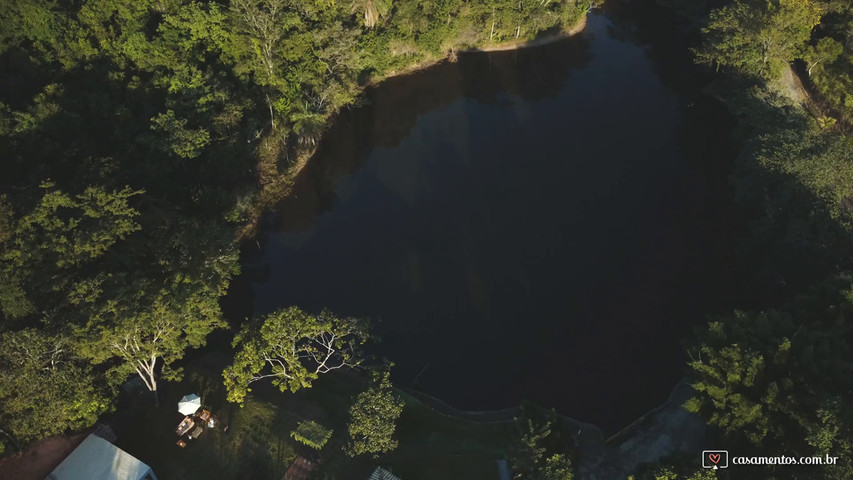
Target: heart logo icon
x=714, y=457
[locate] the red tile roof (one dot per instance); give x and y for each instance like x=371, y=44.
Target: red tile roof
x=299, y=470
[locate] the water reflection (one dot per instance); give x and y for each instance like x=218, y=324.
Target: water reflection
x=396, y=105
x=527, y=224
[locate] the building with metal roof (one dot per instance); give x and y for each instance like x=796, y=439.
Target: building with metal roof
x=382, y=474
x=98, y=459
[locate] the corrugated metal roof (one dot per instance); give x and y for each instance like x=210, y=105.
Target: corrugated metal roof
x=382, y=474
x=99, y=459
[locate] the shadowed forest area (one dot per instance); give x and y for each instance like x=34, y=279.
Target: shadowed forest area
x=773, y=378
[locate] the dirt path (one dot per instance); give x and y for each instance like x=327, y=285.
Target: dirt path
x=793, y=88
x=41, y=458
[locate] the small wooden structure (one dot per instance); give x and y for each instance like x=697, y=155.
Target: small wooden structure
x=193, y=426
x=185, y=426
x=196, y=433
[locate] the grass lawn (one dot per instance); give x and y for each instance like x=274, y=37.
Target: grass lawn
x=433, y=445
x=257, y=445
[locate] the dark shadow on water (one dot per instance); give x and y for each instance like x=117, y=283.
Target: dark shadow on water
x=544, y=223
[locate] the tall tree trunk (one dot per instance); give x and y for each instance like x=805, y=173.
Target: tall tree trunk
x=272, y=116
x=156, y=395
x=491, y=35
x=153, y=380
x=145, y=369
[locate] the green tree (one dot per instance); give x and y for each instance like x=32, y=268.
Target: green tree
x=557, y=467
x=780, y=380
x=674, y=467
x=47, y=249
x=826, y=51
x=184, y=142
x=307, y=125
x=260, y=27
x=667, y=473
x=373, y=418
x=147, y=342
x=758, y=37
x=45, y=388
x=529, y=457
x=373, y=10
x=529, y=451
x=293, y=348
x=728, y=382
x=106, y=25
x=43, y=25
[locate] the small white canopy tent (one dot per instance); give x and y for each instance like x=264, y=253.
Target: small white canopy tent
x=189, y=404
x=99, y=459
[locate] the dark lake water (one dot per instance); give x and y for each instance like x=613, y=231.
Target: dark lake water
x=544, y=224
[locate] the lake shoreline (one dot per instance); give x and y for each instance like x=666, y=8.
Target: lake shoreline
x=563, y=34
x=577, y=28
x=384, y=96
x=284, y=180
x=607, y=457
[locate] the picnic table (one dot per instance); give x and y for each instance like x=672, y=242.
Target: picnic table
x=197, y=432
x=185, y=426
